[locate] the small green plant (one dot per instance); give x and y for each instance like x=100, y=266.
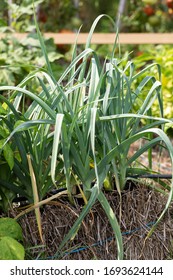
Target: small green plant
x=10, y=235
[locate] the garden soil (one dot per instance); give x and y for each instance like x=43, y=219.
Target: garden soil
x=140, y=207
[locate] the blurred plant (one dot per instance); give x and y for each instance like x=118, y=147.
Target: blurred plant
x=163, y=55
x=169, y=3
x=56, y=15
x=18, y=58
x=89, y=10
x=10, y=235
x=147, y=16
x=53, y=15
x=7, y=154
x=18, y=15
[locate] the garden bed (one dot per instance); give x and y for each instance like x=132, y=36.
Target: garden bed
x=80, y=131
x=140, y=209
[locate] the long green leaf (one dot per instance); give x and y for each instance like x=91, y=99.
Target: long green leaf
x=56, y=140
x=138, y=116
x=94, y=26
x=35, y=196
x=27, y=125
x=43, y=47
x=82, y=55
x=33, y=96
x=93, y=123
x=114, y=223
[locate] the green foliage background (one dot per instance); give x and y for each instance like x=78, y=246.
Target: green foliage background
x=163, y=55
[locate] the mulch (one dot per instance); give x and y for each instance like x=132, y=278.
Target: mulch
x=140, y=208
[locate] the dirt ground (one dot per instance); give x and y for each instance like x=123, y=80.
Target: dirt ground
x=160, y=161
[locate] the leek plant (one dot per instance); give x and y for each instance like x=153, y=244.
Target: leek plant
x=78, y=130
